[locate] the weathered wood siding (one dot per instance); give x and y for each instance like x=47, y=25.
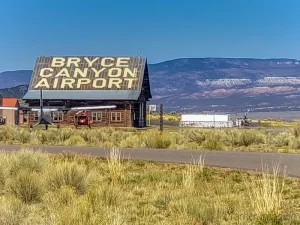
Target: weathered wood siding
x=10, y=116
x=106, y=118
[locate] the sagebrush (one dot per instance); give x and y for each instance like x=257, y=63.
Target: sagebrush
x=75, y=189
x=191, y=138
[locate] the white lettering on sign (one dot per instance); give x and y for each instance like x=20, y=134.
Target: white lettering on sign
x=92, y=72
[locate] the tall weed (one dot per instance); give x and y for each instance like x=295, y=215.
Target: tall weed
x=115, y=163
x=266, y=191
x=4, y=170
x=191, y=171
x=188, y=177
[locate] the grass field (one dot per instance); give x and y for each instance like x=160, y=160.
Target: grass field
x=68, y=189
x=235, y=139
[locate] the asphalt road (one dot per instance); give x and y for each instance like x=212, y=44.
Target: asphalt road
x=229, y=159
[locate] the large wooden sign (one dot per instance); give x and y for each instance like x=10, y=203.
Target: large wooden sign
x=87, y=73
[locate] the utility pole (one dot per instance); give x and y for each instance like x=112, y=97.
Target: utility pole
x=161, y=127
x=149, y=116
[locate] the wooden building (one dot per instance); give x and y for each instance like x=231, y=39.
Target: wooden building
x=9, y=116
x=92, y=81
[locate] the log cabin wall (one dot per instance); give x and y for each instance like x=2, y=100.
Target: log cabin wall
x=100, y=118
x=117, y=118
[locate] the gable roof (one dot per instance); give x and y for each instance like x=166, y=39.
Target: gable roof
x=10, y=102
x=88, y=78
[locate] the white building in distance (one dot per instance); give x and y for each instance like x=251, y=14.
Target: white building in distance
x=206, y=120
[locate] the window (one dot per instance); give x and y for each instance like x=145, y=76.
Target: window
x=25, y=118
x=115, y=116
x=58, y=116
x=97, y=116
x=35, y=116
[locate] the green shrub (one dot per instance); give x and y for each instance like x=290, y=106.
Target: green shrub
x=197, y=136
x=6, y=134
x=162, y=201
x=133, y=141
x=296, y=131
x=13, y=211
x=26, y=186
x=155, y=139
x=48, y=137
x=64, y=134
x=192, y=146
x=281, y=140
x=75, y=140
x=178, y=138
x=110, y=196
x=22, y=136
x=70, y=174
x=213, y=141
x=27, y=159
x=90, y=137
x=103, y=134
x=231, y=138
x=117, y=136
x=295, y=143
x=65, y=195
x=185, y=138
x=78, y=211
x=247, y=138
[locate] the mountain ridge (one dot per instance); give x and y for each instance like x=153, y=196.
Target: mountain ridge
x=213, y=83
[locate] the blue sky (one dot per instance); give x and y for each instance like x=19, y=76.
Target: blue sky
x=160, y=30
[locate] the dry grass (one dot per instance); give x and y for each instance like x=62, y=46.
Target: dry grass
x=115, y=163
x=74, y=189
x=70, y=174
x=278, y=123
x=191, y=139
x=266, y=193
x=166, y=116
x=188, y=177
x=193, y=169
